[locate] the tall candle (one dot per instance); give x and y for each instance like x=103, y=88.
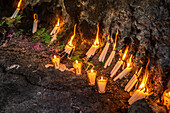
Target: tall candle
x=92, y=50
x=109, y=60
x=95, y=46
x=116, y=68
x=166, y=98
x=102, y=82
x=56, y=61
x=91, y=76
x=78, y=67
x=35, y=24
x=69, y=48
x=123, y=73
x=14, y=15
x=103, y=54
x=56, y=28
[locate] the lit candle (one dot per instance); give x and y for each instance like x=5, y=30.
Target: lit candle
x=119, y=63
x=109, y=60
x=125, y=71
x=17, y=10
x=56, y=28
x=34, y=29
x=133, y=80
x=91, y=76
x=95, y=46
x=166, y=98
x=103, y=54
x=56, y=61
x=78, y=67
x=139, y=94
x=102, y=82
x=69, y=47
x=112, y=55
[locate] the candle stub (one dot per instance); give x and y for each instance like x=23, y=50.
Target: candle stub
x=91, y=74
x=166, y=98
x=56, y=61
x=78, y=67
x=101, y=83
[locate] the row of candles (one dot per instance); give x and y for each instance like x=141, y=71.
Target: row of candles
x=140, y=93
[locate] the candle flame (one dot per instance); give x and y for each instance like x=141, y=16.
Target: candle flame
x=72, y=37
x=130, y=60
x=96, y=42
x=55, y=56
x=145, y=78
x=126, y=50
x=91, y=70
x=114, y=46
x=101, y=77
x=58, y=23
x=35, y=17
x=19, y=3
x=76, y=61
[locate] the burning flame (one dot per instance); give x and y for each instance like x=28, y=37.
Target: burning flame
x=58, y=23
x=145, y=78
x=91, y=70
x=97, y=36
x=76, y=61
x=102, y=78
x=126, y=50
x=72, y=37
x=116, y=38
x=55, y=57
x=130, y=60
x=19, y=3
x=169, y=93
x=35, y=17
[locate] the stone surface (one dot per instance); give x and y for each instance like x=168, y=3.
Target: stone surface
x=147, y=106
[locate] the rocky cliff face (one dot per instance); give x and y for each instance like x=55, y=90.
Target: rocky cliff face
x=143, y=25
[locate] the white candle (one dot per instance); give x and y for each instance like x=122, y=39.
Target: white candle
x=109, y=60
x=69, y=48
x=17, y=10
x=56, y=28
x=166, y=98
x=133, y=80
x=91, y=76
x=95, y=46
x=35, y=24
x=123, y=73
x=56, y=61
x=102, y=82
x=78, y=67
x=92, y=50
x=116, y=68
x=103, y=54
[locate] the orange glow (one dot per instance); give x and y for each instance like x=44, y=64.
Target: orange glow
x=130, y=61
x=58, y=23
x=96, y=42
x=114, y=46
x=125, y=53
x=145, y=78
x=35, y=17
x=19, y=3
x=72, y=37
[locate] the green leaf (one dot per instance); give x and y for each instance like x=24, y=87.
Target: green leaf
x=2, y=23
x=18, y=17
x=47, y=39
